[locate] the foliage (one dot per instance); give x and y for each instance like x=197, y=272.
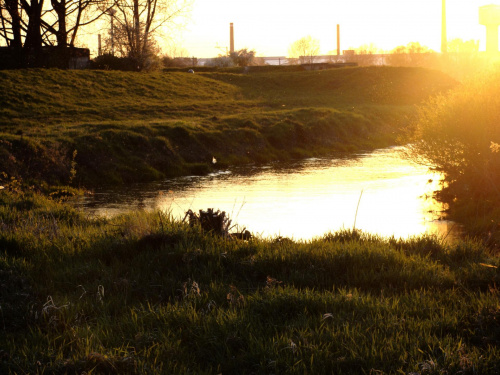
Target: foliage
x=180, y=62
x=146, y=294
x=243, y=57
x=459, y=134
x=413, y=54
x=137, y=24
x=111, y=62
x=462, y=61
x=305, y=49
x=220, y=62
x=463, y=46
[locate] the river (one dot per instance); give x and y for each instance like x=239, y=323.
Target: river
x=380, y=192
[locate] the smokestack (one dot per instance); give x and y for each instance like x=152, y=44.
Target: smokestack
x=338, y=39
x=231, y=38
x=444, y=41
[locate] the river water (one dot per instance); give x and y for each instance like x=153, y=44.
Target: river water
x=380, y=192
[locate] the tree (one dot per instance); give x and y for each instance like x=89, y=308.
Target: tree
x=71, y=15
x=138, y=22
x=10, y=18
x=28, y=25
x=413, y=54
x=458, y=45
x=304, y=49
x=243, y=57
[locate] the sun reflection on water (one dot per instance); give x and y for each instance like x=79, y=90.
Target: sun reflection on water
x=307, y=199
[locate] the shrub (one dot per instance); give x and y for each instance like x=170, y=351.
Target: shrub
x=110, y=62
x=459, y=134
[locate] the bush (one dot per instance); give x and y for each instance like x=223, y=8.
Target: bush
x=220, y=62
x=110, y=62
x=459, y=134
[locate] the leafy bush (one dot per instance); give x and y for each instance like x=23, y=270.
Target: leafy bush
x=243, y=57
x=220, y=62
x=459, y=134
x=110, y=62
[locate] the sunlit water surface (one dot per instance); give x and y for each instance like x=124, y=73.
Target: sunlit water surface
x=300, y=200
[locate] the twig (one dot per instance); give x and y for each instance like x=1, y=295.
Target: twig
x=357, y=207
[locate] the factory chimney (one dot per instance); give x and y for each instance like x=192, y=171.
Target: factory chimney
x=489, y=16
x=444, y=38
x=231, y=38
x=338, y=39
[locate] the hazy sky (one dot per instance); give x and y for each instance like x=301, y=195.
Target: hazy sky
x=270, y=26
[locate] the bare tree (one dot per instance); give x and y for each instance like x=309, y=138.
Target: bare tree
x=138, y=23
x=10, y=18
x=304, y=49
x=71, y=15
x=28, y=25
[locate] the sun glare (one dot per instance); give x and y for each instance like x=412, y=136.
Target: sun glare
x=270, y=26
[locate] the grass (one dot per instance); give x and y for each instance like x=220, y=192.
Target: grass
x=129, y=127
x=142, y=293
x=145, y=294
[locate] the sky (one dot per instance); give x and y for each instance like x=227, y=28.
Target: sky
x=270, y=26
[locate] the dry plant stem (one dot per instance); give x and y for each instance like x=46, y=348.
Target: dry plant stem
x=357, y=207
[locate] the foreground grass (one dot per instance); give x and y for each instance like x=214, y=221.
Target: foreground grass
x=144, y=294
x=118, y=127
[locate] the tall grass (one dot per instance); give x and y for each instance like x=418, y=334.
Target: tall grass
x=146, y=294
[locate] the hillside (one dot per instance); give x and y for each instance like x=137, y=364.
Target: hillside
x=128, y=126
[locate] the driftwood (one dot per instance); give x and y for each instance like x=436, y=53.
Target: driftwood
x=216, y=222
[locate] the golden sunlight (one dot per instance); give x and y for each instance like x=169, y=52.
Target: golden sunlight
x=270, y=26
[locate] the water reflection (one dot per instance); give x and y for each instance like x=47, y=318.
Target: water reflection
x=301, y=200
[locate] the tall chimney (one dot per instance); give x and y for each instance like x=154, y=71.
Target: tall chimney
x=338, y=39
x=444, y=41
x=231, y=38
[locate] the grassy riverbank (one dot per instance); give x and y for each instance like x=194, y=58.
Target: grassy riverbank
x=117, y=127
x=142, y=294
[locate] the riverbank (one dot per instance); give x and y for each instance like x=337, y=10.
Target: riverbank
x=143, y=294
x=88, y=128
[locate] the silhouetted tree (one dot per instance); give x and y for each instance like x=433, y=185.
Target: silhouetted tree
x=137, y=23
x=243, y=57
x=28, y=25
x=413, y=54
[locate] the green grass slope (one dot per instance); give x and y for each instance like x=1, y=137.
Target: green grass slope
x=115, y=127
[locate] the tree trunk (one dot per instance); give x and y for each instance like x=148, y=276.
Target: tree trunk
x=13, y=10
x=33, y=34
x=62, y=33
